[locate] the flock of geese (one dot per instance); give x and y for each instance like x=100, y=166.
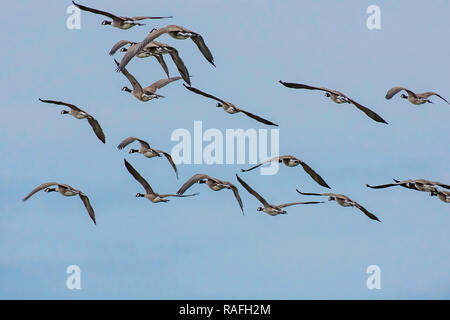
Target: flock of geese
x=150, y=47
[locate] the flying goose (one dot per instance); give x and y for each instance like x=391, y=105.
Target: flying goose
x=147, y=151
x=214, y=184
x=414, y=98
x=174, y=31
x=337, y=97
x=80, y=114
x=441, y=194
x=229, y=107
x=292, y=161
x=147, y=93
x=415, y=184
x=157, y=50
x=271, y=209
x=343, y=201
x=149, y=193
x=67, y=191
x=118, y=22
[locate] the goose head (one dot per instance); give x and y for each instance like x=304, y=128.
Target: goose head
x=404, y=96
x=260, y=209
x=126, y=89
x=106, y=22
x=331, y=198
x=154, y=29
x=219, y=105
x=139, y=195
x=49, y=190
x=64, y=112
x=123, y=50
x=133, y=151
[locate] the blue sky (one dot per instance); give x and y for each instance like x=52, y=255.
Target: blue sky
x=202, y=247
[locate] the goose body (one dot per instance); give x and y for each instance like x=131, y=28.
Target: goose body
x=65, y=190
x=442, y=195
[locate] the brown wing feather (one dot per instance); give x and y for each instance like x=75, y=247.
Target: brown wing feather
x=138, y=177
x=252, y=192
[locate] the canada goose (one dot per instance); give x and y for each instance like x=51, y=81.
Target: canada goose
x=147, y=151
x=229, y=107
x=118, y=22
x=292, y=161
x=337, y=97
x=415, y=184
x=157, y=50
x=271, y=209
x=80, y=114
x=414, y=98
x=67, y=191
x=150, y=194
x=343, y=201
x=147, y=93
x=214, y=184
x=174, y=31
x=441, y=194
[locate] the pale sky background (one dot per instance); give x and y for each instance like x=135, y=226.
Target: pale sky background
x=202, y=247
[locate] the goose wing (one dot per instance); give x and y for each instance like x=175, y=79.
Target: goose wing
x=316, y=194
x=428, y=94
x=88, y=206
x=149, y=38
x=393, y=91
x=257, y=118
x=39, y=188
x=314, y=175
x=367, y=213
x=198, y=40
x=138, y=177
x=119, y=45
x=169, y=158
x=264, y=162
x=194, y=179
x=236, y=195
x=160, y=83
x=129, y=140
x=103, y=13
x=295, y=203
x=303, y=86
x=371, y=114
x=195, y=90
x=97, y=128
x=71, y=106
x=163, y=64
x=252, y=192
x=178, y=195
x=139, y=18
x=180, y=65
x=136, y=86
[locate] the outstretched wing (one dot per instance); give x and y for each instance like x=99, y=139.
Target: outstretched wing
x=160, y=59
x=260, y=164
x=367, y=213
x=393, y=91
x=103, y=13
x=119, y=45
x=257, y=118
x=314, y=175
x=71, y=106
x=133, y=81
x=138, y=177
x=237, y=196
x=194, y=179
x=139, y=18
x=252, y=192
x=160, y=83
x=302, y=86
x=431, y=93
x=367, y=111
x=195, y=90
x=88, y=206
x=295, y=203
x=316, y=194
x=180, y=65
x=198, y=40
x=97, y=129
x=169, y=158
x=39, y=188
x=129, y=140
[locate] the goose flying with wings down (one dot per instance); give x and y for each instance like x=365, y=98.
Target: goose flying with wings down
x=337, y=97
x=415, y=184
x=344, y=201
x=80, y=114
x=271, y=209
x=229, y=107
x=149, y=193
